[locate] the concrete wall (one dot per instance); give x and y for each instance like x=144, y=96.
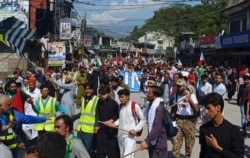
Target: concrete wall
x=8, y=63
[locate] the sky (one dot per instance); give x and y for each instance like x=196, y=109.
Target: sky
x=118, y=18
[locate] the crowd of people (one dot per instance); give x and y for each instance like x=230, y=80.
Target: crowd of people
x=37, y=111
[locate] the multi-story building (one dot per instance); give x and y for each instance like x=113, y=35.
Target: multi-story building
x=158, y=40
x=233, y=47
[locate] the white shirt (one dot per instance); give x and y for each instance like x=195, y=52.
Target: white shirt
x=220, y=89
x=205, y=89
x=27, y=107
x=126, y=120
x=184, y=108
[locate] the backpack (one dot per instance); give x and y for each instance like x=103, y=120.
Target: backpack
x=136, y=118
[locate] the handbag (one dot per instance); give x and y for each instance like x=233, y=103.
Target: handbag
x=171, y=126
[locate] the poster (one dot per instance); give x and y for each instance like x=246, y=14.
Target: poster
x=87, y=41
x=56, y=53
x=65, y=28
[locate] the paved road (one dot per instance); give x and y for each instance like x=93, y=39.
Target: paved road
x=232, y=113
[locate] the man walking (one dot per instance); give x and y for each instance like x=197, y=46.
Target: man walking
x=204, y=88
x=220, y=88
x=107, y=144
x=126, y=121
x=47, y=106
x=156, y=142
x=242, y=102
x=219, y=138
x=67, y=91
x=186, y=113
x=75, y=148
x=88, y=125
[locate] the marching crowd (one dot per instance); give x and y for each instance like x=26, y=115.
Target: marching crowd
x=37, y=111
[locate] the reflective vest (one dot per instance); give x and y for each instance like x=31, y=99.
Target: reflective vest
x=8, y=136
x=87, y=118
x=47, y=110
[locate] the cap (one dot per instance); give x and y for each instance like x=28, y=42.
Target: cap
x=28, y=72
x=181, y=82
x=32, y=81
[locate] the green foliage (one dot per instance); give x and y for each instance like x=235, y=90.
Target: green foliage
x=205, y=18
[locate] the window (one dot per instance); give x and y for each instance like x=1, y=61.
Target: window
x=159, y=41
x=235, y=26
x=244, y=24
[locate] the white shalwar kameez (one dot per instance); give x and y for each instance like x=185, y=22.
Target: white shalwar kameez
x=126, y=121
x=28, y=110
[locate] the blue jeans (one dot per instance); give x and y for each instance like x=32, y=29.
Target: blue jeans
x=87, y=140
x=243, y=117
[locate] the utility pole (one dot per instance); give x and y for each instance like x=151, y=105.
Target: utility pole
x=83, y=24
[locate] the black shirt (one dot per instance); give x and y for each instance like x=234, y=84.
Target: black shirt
x=107, y=110
x=228, y=137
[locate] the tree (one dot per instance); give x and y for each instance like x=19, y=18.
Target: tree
x=205, y=18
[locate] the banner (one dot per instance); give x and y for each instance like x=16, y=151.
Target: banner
x=15, y=35
x=57, y=53
x=18, y=9
x=132, y=80
x=65, y=28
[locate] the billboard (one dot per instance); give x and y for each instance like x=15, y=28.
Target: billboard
x=16, y=8
x=56, y=53
x=65, y=28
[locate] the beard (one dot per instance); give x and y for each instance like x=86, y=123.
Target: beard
x=12, y=92
x=114, y=87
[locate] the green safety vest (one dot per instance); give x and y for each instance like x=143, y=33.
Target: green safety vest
x=87, y=119
x=46, y=110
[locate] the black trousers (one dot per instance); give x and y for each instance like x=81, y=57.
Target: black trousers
x=107, y=145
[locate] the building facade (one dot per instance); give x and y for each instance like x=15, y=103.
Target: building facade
x=234, y=47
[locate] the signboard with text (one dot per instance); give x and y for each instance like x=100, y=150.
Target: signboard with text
x=241, y=39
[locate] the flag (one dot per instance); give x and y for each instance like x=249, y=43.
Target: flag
x=98, y=62
x=202, y=60
x=120, y=50
x=179, y=62
x=14, y=34
x=132, y=80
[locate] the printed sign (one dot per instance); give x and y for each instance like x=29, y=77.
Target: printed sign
x=56, y=54
x=65, y=28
